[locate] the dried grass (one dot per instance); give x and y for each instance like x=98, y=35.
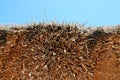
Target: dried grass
x=59, y=52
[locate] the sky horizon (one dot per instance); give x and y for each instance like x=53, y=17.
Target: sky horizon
x=88, y=12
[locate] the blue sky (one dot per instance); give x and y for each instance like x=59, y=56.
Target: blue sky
x=89, y=12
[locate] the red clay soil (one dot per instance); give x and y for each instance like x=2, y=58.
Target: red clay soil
x=59, y=52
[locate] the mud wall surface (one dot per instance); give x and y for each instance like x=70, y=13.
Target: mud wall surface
x=59, y=52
